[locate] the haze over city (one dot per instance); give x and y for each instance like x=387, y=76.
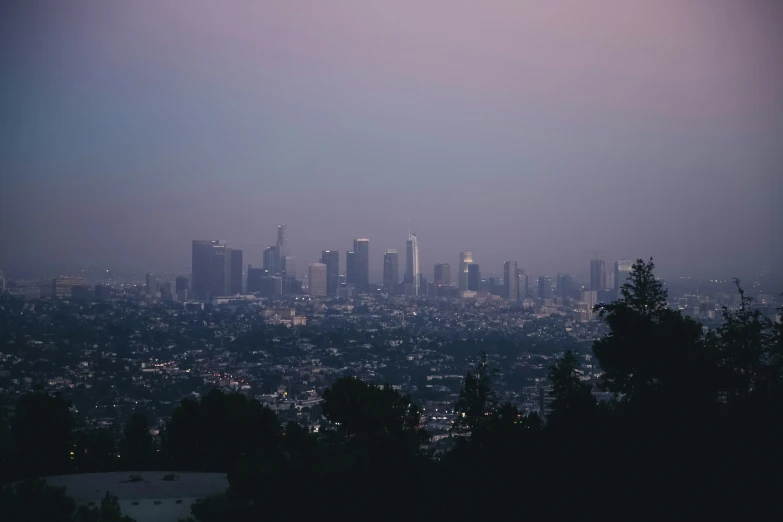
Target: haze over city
x=373, y=258
x=543, y=132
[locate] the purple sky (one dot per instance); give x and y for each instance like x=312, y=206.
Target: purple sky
x=538, y=131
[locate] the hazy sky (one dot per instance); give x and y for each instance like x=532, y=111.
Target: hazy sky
x=539, y=131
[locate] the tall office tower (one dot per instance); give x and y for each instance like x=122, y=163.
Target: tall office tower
x=282, y=241
x=510, y=281
x=442, y=274
x=181, y=287
x=220, y=271
x=235, y=278
x=288, y=266
x=474, y=277
x=2, y=282
x=292, y=285
x=272, y=259
x=465, y=259
x=522, y=285
x=351, y=274
x=271, y=286
x=166, y=291
x=412, y=267
x=331, y=258
x=622, y=271
x=317, y=279
x=254, y=276
x=545, y=287
x=211, y=269
x=597, y=275
x=361, y=247
x=565, y=285
x=151, y=286
x=423, y=283
x=391, y=271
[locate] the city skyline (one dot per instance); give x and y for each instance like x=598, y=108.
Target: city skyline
x=604, y=279
x=270, y=258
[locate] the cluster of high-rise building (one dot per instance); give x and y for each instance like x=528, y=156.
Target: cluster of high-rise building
x=277, y=275
x=609, y=282
x=217, y=271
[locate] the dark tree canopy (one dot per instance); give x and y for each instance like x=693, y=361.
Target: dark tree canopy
x=477, y=400
x=33, y=499
x=108, y=511
x=362, y=408
x=572, y=400
x=137, y=449
x=215, y=433
x=650, y=348
x=42, y=436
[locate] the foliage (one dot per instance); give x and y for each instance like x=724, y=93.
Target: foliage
x=33, y=499
x=750, y=354
x=137, y=449
x=42, y=436
x=109, y=511
x=572, y=401
x=94, y=451
x=477, y=401
x=215, y=433
x=651, y=349
x=358, y=408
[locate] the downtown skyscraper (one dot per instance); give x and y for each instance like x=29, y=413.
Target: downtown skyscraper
x=282, y=241
x=442, y=274
x=510, y=281
x=545, y=287
x=351, y=271
x=211, y=269
x=474, y=277
x=391, y=271
x=235, y=261
x=465, y=259
x=412, y=267
x=597, y=275
x=361, y=249
x=622, y=271
x=316, y=279
x=331, y=258
x=271, y=259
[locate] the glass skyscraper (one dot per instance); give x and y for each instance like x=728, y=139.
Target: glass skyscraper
x=412, y=267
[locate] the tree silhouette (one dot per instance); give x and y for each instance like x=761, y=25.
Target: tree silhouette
x=652, y=349
x=477, y=401
x=94, y=451
x=643, y=293
x=137, y=449
x=214, y=434
x=747, y=348
x=41, y=430
x=109, y=511
x=573, y=402
x=362, y=408
x=6, y=449
x=33, y=499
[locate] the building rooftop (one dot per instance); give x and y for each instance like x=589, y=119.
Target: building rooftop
x=140, y=485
